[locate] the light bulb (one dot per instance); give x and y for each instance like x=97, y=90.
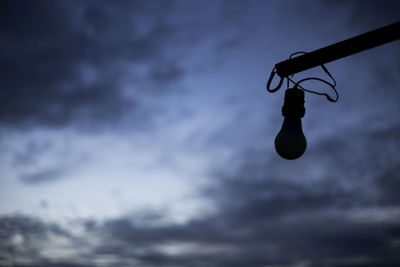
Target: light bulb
x=290, y=143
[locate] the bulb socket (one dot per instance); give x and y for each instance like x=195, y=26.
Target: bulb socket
x=294, y=103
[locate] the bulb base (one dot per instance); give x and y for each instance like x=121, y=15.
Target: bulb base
x=294, y=103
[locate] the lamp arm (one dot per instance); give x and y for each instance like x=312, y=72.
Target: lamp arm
x=339, y=50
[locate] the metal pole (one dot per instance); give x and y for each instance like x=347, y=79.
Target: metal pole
x=339, y=50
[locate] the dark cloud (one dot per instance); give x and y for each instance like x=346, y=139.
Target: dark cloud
x=79, y=61
x=43, y=176
x=388, y=183
x=312, y=214
x=269, y=214
x=65, y=61
x=30, y=153
x=166, y=72
x=41, y=60
x=20, y=238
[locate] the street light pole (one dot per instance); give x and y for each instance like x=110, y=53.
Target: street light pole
x=339, y=50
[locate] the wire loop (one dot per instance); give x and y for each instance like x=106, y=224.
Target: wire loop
x=271, y=77
x=297, y=84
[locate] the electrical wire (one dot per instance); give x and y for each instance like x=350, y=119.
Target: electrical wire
x=297, y=84
x=328, y=97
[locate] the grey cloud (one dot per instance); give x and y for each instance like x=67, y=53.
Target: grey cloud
x=89, y=64
x=364, y=12
x=322, y=210
x=265, y=218
x=388, y=184
x=30, y=153
x=166, y=72
x=41, y=61
x=20, y=236
x=57, y=264
x=312, y=214
x=63, y=61
x=46, y=175
x=39, y=160
x=270, y=214
x=313, y=240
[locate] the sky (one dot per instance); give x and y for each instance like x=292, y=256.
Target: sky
x=140, y=133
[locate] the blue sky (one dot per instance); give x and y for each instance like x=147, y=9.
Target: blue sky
x=140, y=133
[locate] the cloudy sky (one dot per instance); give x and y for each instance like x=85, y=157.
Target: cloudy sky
x=140, y=133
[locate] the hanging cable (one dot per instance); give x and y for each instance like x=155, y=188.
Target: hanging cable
x=297, y=84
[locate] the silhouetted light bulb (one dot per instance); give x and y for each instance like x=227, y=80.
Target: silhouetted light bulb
x=290, y=143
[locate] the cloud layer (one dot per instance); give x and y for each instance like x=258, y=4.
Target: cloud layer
x=170, y=98
x=262, y=216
